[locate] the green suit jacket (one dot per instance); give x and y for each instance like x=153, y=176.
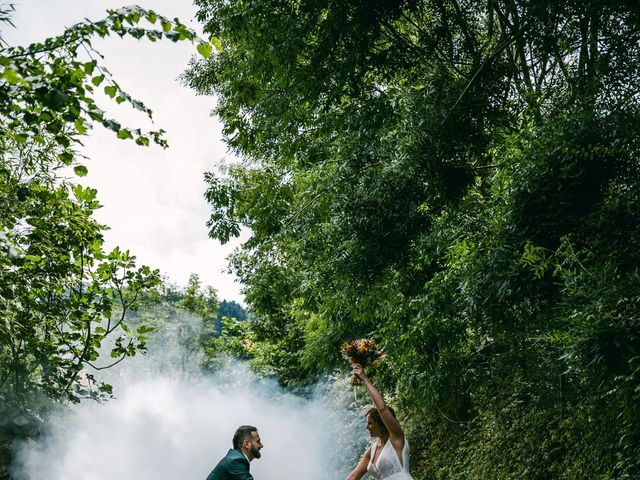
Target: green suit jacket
x=234, y=466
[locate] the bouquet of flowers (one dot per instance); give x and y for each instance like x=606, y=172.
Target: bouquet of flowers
x=364, y=351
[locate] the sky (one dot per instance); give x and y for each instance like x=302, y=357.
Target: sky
x=152, y=198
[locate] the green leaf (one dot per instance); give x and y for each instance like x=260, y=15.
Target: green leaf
x=142, y=141
x=80, y=127
x=89, y=67
x=80, y=170
x=110, y=90
x=66, y=157
x=124, y=134
x=21, y=138
x=96, y=114
x=173, y=36
x=204, y=49
x=12, y=76
x=97, y=80
x=138, y=105
x=145, y=329
x=216, y=42
x=112, y=125
x=137, y=33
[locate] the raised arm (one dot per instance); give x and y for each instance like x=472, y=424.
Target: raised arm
x=396, y=435
x=361, y=467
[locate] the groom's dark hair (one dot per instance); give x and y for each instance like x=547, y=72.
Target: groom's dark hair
x=243, y=433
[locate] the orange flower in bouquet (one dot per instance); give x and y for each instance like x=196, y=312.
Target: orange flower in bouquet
x=365, y=351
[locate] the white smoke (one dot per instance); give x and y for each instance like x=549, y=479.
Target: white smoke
x=163, y=426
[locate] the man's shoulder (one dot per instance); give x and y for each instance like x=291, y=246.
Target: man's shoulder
x=233, y=462
x=234, y=455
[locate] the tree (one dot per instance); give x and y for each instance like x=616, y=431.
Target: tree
x=182, y=322
x=460, y=180
x=61, y=295
x=231, y=309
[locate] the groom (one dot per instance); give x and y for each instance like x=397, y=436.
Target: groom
x=235, y=465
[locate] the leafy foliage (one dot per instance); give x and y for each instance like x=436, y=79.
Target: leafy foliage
x=229, y=309
x=460, y=180
x=62, y=297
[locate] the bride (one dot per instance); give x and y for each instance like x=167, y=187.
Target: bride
x=388, y=457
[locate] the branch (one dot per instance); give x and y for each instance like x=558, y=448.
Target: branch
x=464, y=27
x=403, y=39
x=486, y=63
x=124, y=355
x=482, y=167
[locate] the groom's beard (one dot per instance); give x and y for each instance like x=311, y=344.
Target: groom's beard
x=255, y=453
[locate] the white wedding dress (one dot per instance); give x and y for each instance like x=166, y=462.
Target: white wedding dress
x=388, y=466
